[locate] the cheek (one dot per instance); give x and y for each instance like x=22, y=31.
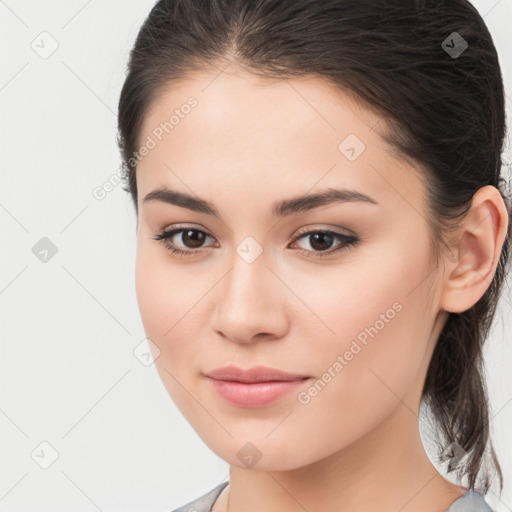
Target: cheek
x=149, y=286
x=160, y=286
x=171, y=303
x=166, y=302
x=365, y=372
x=160, y=295
x=374, y=329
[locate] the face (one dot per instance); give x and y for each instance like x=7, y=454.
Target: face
x=341, y=291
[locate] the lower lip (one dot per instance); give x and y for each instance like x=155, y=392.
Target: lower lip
x=257, y=394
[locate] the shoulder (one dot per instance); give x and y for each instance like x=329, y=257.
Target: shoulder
x=205, y=502
x=471, y=501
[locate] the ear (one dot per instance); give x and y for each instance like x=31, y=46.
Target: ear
x=478, y=245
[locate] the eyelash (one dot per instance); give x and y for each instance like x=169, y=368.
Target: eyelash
x=347, y=242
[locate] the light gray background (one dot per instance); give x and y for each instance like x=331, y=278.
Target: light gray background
x=68, y=374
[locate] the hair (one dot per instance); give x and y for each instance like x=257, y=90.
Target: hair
x=442, y=111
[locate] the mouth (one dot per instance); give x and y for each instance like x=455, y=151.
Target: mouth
x=256, y=387
x=255, y=374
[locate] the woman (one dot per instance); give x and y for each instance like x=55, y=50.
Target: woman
x=253, y=130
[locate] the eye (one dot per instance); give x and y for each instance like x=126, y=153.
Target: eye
x=193, y=240
x=189, y=235
x=319, y=239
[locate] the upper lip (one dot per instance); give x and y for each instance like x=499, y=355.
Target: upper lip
x=254, y=374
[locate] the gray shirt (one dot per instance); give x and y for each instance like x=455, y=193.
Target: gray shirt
x=471, y=501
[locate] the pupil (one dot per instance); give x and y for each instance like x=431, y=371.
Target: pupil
x=321, y=236
x=197, y=240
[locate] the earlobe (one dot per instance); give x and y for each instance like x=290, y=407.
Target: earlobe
x=471, y=267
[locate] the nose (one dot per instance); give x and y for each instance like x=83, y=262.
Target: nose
x=251, y=303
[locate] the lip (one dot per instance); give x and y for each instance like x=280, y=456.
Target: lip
x=254, y=374
x=256, y=387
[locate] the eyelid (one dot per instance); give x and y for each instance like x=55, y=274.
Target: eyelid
x=306, y=229
x=325, y=227
x=183, y=225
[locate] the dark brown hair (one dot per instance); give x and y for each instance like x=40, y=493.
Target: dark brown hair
x=443, y=108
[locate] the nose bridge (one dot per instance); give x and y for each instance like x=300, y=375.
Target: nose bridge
x=246, y=304
x=248, y=277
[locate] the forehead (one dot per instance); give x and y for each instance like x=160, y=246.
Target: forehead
x=235, y=99
x=248, y=133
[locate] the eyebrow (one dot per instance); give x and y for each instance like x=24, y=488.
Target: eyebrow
x=282, y=208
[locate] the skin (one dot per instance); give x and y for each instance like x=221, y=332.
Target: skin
x=250, y=142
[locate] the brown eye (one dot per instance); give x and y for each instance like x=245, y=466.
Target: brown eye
x=191, y=239
x=322, y=240
x=195, y=236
